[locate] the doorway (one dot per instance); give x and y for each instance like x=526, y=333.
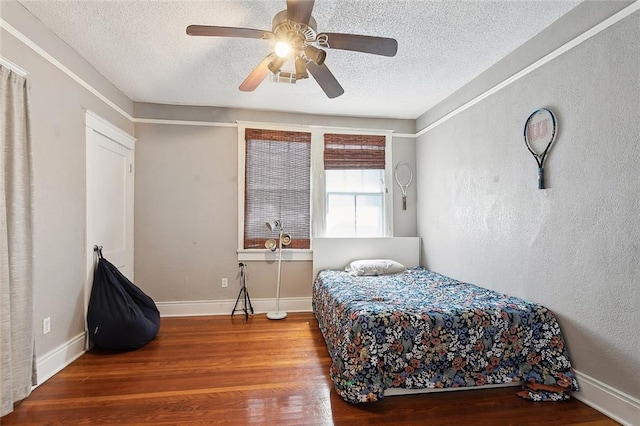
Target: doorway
x=109, y=201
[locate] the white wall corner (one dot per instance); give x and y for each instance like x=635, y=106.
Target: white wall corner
x=621, y=407
x=224, y=307
x=55, y=360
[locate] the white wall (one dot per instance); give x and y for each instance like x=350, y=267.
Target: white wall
x=574, y=247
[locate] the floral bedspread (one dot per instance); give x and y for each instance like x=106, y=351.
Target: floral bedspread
x=419, y=329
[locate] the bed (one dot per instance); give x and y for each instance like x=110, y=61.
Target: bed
x=418, y=330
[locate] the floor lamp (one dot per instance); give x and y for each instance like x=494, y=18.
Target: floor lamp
x=283, y=240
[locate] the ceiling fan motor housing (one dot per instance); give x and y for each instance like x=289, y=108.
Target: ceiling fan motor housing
x=300, y=37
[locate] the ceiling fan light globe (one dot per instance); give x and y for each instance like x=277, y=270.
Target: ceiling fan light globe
x=282, y=49
x=275, y=65
x=301, y=69
x=316, y=55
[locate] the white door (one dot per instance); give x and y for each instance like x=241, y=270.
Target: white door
x=109, y=180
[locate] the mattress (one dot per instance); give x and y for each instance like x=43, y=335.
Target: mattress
x=422, y=330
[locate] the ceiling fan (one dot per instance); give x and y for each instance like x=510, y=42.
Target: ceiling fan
x=297, y=41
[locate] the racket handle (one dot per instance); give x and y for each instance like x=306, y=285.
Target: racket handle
x=541, y=178
x=404, y=202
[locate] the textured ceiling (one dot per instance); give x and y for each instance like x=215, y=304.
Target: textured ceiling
x=141, y=47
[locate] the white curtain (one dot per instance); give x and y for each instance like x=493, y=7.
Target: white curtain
x=16, y=291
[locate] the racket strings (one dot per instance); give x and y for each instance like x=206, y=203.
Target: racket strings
x=403, y=176
x=539, y=135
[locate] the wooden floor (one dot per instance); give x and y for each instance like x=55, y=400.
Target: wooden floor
x=223, y=370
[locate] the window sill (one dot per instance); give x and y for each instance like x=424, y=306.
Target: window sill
x=288, y=255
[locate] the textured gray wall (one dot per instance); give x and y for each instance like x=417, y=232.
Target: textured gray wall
x=574, y=247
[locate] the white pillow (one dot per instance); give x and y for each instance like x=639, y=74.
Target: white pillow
x=374, y=267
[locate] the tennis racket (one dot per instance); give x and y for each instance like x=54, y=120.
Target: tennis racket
x=403, y=175
x=539, y=133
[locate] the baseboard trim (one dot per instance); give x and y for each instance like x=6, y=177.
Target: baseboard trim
x=613, y=403
x=54, y=361
x=224, y=307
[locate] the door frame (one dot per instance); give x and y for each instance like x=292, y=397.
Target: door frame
x=96, y=124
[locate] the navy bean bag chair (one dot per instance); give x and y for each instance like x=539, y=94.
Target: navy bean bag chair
x=120, y=316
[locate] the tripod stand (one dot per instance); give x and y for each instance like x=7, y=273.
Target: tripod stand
x=246, y=307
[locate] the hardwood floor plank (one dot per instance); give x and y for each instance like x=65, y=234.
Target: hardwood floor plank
x=225, y=371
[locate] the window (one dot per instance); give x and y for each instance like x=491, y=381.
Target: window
x=277, y=185
x=354, y=185
x=318, y=181
x=354, y=203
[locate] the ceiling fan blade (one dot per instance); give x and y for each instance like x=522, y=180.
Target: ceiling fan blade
x=213, y=31
x=325, y=79
x=299, y=10
x=361, y=43
x=256, y=76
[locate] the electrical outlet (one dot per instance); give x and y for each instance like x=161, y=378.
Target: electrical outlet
x=225, y=283
x=46, y=325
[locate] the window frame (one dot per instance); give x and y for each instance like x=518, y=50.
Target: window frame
x=318, y=195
